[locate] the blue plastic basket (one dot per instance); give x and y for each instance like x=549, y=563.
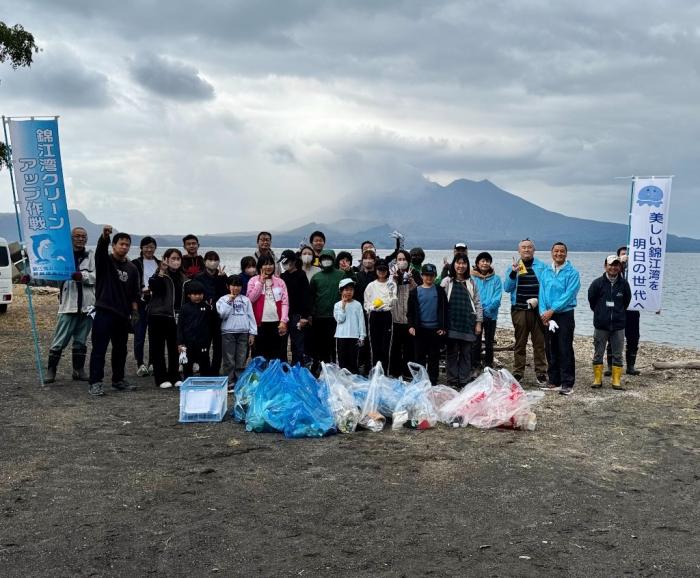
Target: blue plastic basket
x=203, y=399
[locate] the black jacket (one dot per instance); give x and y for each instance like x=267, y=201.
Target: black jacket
x=214, y=287
x=600, y=293
x=163, y=293
x=412, y=313
x=117, y=282
x=299, y=293
x=194, y=325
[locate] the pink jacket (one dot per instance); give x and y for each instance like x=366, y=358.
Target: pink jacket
x=257, y=297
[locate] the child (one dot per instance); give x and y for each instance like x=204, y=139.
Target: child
x=350, y=326
x=238, y=328
x=427, y=320
x=194, y=327
x=163, y=309
x=379, y=299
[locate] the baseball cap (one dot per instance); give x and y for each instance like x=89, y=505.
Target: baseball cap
x=428, y=269
x=610, y=259
x=460, y=245
x=345, y=282
x=287, y=255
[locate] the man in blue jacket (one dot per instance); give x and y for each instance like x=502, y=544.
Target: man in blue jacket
x=559, y=286
x=523, y=284
x=609, y=296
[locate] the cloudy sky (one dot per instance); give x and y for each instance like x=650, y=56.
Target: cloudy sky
x=241, y=114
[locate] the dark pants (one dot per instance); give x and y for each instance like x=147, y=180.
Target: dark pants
x=297, y=339
x=216, y=349
x=106, y=327
x=527, y=323
x=365, y=357
x=459, y=362
x=323, y=330
x=487, y=337
x=427, y=343
x=347, y=351
x=140, y=334
x=402, y=350
x=631, y=338
x=560, y=351
x=380, y=332
x=269, y=343
x=162, y=340
x=235, y=350
x=200, y=356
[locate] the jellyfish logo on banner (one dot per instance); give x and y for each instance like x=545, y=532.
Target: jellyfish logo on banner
x=647, y=246
x=36, y=161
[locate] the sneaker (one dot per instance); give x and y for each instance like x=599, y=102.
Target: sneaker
x=178, y=383
x=96, y=388
x=123, y=385
x=150, y=370
x=142, y=371
x=541, y=379
x=195, y=368
x=165, y=385
x=566, y=390
x=518, y=377
x=551, y=387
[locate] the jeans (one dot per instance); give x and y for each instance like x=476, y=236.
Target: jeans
x=108, y=327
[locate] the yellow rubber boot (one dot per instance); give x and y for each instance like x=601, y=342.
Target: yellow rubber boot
x=616, y=377
x=597, y=375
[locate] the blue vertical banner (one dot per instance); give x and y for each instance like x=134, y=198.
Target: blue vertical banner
x=36, y=162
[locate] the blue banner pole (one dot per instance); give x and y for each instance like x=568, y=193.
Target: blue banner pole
x=28, y=291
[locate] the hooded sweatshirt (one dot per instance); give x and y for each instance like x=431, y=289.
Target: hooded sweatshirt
x=324, y=288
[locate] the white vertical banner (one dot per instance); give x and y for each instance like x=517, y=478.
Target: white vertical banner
x=649, y=209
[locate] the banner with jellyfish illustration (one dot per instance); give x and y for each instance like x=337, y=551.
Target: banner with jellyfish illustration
x=651, y=198
x=36, y=162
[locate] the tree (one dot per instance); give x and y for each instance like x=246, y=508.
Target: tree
x=18, y=46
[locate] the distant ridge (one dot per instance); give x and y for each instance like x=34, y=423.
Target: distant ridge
x=435, y=217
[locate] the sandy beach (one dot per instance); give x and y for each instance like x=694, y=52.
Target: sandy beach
x=606, y=485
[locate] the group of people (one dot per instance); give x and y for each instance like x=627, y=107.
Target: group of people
x=320, y=306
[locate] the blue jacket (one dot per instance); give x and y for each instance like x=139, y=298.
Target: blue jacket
x=490, y=290
x=511, y=285
x=558, y=290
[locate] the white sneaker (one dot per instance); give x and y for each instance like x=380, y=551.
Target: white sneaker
x=195, y=368
x=150, y=370
x=178, y=383
x=165, y=385
x=142, y=371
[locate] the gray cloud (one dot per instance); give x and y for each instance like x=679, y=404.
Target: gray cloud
x=170, y=78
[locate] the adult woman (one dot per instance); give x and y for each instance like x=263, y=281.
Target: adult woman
x=307, y=256
x=464, y=320
x=299, y=303
x=147, y=265
x=268, y=294
x=402, y=347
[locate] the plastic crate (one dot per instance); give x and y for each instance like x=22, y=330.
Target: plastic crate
x=203, y=399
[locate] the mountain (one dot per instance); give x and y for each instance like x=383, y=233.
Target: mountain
x=434, y=217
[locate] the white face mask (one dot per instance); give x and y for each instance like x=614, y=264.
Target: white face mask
x=287, y=266
x=251, y=271
x=212, y=265
x=403, y=265
x=306, y=259
x=326, y=264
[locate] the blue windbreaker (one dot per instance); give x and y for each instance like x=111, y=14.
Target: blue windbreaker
x=511, y=285
x=490, y=290
x=558, y=290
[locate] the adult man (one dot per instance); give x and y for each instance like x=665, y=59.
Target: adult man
x=192, y=262
x=318, y=242
x=559, y=286
x=116, y=306
x=609, y=296
x=523, y=284
x=264, y=242
x=76, y=300
x=631, y=327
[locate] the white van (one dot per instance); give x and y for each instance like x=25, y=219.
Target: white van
x=5, y=276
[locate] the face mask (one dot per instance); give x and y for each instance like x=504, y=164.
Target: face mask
x=287, y=266
x=326, y=264
x=212, y=265
x=306, y=259
x=367, y=263
x=403, y=265
x=251, y=271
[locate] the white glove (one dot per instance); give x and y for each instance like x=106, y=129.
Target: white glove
x=532, y=303
x=396, y=235
x=553, y=325
x=183, y=357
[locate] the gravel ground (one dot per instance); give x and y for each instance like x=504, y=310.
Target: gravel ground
x=607, y=484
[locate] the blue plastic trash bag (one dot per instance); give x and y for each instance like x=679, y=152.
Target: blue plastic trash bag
x=269, y=387
x=245, y=387
x=312, y=415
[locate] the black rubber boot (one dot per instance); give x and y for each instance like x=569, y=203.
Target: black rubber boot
x=54, y=358
x=631, y=359
x=79, y=365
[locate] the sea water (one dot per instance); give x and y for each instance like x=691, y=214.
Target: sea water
x=675, y=324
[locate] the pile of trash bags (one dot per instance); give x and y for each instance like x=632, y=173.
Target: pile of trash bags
x=274, y=396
